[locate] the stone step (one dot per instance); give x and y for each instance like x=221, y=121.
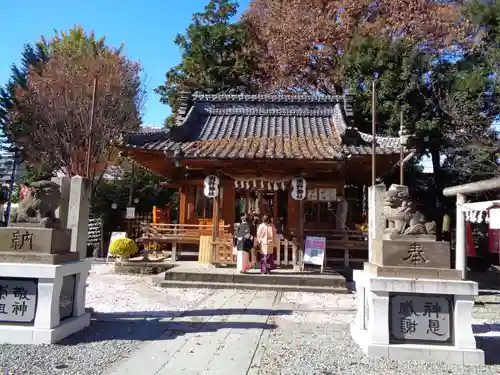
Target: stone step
x=253, y=286
x=278, y=277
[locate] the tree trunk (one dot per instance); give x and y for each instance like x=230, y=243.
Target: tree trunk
x=439, y=186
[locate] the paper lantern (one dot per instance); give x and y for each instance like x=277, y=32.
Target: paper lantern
x=211, y=186
x=299, y=188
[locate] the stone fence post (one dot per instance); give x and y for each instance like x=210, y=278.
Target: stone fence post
x=376, y=218
x=78, y=214
x=62, y=211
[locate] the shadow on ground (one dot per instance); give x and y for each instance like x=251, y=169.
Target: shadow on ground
x=490, y=346
x=189, y=313
x=152, y=325
x=489, y=292
x=490, y=343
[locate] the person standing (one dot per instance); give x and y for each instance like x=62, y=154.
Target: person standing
x=266, y=238
x=243, y=241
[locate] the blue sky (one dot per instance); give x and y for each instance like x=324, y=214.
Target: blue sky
x=146, y=27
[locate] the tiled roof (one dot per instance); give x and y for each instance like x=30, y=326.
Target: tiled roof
x=263, y=127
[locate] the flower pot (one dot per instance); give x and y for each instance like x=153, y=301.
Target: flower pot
x=123, y=258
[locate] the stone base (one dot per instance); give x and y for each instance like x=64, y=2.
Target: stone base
x=371, y=328
x=53, y=300
x=411, y=352
x=19, y=335
x=26, y=239
x=143, y=268
x=412, y=272
x=36, y=258
x=410, y=251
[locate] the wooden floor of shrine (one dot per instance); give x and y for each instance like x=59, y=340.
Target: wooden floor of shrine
x=196, y=275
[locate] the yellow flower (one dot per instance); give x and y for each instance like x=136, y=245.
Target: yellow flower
x=123, y=247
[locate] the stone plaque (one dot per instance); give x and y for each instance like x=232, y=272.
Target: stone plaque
x=18, y=300
x=66, y=300
x=22, y=240
x=420, y=317
x=411, y=251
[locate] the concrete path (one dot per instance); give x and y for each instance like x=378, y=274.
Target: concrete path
x=225, y=334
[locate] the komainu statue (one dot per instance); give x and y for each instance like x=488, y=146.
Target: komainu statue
x=39, y=205
x=403, y=217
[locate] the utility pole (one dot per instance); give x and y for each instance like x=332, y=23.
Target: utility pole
x=374, y=135
x=91, y=129
x=401, y=151
x=11, y=186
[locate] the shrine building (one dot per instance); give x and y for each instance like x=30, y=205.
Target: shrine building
x=256, y=146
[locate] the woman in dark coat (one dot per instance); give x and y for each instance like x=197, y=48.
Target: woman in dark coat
x=243, y=241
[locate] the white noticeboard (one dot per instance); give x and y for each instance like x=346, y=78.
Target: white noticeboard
x=130, y=213
x=495, y=218
x=327, y=194
x=314, y=252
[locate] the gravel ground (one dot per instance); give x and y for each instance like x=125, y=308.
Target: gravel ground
x=319, y=343
x=108, y=338
x=327, y=349
x=313, y=339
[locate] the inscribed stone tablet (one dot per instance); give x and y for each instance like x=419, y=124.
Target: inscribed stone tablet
x=66, y=300
x=420, y=317
x=17, y=300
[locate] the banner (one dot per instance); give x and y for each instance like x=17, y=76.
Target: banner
x=469, y=243
x=494, y=241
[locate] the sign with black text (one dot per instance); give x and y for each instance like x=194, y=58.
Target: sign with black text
x=420, y=317
x=18, y=300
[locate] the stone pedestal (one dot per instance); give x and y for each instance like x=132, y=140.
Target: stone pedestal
x=411, y=257
x=29, y=244
x=416, y=319
x=42, y=303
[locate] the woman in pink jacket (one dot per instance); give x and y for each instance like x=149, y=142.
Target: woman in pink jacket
x=266, y=238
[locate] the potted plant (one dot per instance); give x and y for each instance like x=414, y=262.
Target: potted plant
x=123, y=248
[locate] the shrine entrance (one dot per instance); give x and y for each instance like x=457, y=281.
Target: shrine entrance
x=255, y=202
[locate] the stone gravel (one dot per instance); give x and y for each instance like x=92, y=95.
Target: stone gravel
x=311, y=339
x=109, y=337
x=327, y=349
x=319, y=342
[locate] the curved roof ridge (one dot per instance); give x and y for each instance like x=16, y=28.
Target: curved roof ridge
x=290, y=98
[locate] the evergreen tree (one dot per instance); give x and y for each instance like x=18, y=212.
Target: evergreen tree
x=216, y=56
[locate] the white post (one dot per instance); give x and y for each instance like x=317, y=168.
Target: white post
x=78, y=214
x=376, y=218
x=460, y=253
x=62, y=211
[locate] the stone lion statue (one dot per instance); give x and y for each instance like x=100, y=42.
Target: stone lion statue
x=403, y=217
x=39, y=205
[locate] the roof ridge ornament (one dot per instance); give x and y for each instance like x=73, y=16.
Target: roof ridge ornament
x=301, y=98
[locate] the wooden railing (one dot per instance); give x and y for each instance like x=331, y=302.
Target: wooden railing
x=177, y=234
x=344, y=247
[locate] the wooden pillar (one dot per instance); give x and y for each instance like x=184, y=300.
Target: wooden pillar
x=275, y=207
x=296, y=253
x=215, y=224
x=247, y=201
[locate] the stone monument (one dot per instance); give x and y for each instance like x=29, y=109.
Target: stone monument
x=410, y=304
x=42, y=283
